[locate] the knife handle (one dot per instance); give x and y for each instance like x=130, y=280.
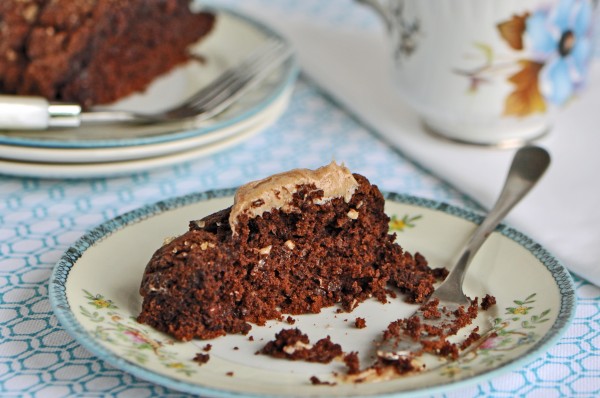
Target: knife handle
x=36, y=113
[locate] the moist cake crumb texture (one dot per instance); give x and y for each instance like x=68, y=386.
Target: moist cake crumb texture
x=316, y=381
x=352, y=363
x=93, y=51
x=487, y=302
x=297, y=257
x=294, y=345
x=360, y=323
x=296, y=249
x=201, y=358
x=434, y=340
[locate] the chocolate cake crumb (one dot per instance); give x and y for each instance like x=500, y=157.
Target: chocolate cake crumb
x=207, y=347
x=401, y=365
x=487, y=302
x=440, y=273
x=316, y=381
x=360, y=323
x=473, y=337
x=431, y=310
x=230, y=374
x=434, y=339
x=290, y=320
x=201, y=358
x=352, y=363
x=251, y=338
x=295, y=345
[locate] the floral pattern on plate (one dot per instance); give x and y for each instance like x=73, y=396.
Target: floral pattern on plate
x=507, y=334
x=139, y=343
x=400, y=224
x=122, y=330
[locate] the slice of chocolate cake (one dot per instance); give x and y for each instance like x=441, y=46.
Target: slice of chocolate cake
x=16, y=21
x=292, y=243
x=93, y=51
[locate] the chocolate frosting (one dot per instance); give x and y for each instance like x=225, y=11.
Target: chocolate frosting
x=276, y=191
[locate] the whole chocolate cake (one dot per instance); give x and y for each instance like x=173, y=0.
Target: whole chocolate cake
x=292, y=243
x=93, y=51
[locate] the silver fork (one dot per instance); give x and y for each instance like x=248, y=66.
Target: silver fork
x=528, y=166
x=33, y=113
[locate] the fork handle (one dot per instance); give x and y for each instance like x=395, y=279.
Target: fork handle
x=36, y=113
x=528, y=166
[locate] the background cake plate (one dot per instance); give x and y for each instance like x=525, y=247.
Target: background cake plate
x=115, y=168
x=44, y=155
x=234, y=36
x=94, y=293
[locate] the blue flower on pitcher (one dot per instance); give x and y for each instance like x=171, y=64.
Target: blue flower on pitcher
x=560, y=38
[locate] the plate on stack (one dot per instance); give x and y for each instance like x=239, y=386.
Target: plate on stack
x=98, y=151
x=94, y=291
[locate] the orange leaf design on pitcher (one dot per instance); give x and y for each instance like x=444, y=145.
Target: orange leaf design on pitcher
x=512, y=30
x=526, y=98
x=553, y=45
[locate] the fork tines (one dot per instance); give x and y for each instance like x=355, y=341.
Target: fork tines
x=235, y=81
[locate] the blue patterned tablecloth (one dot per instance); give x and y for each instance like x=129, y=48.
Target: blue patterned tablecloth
x=40, y=219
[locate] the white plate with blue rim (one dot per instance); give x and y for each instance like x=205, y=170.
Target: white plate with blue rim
x=234, y=36
x=94, y=293
x=93, y=162
x=189, y=152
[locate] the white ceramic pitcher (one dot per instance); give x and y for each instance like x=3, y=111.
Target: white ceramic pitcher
x=491, y=72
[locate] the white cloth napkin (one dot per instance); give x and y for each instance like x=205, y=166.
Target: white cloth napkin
x=562, y=213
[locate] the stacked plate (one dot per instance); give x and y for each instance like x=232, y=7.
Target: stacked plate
x=98, y=151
